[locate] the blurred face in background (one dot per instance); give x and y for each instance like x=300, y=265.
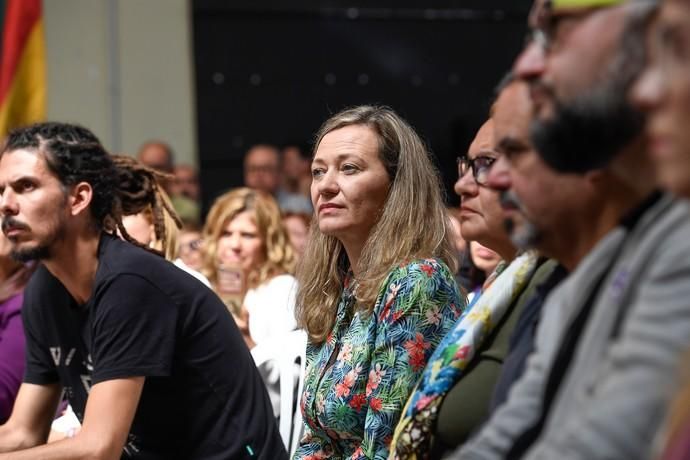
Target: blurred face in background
x=240, y=243
x=298, y=230
x=295, y=166
x=139, y=227
x=663, y=91
x=537, y=200
x=579, y=78
x=190, y=248
x=156, y=155
x=186, y=182
x=484, y=258
x=481, y=216
x=262, y=168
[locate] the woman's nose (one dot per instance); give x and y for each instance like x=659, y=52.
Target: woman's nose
x=465, y=185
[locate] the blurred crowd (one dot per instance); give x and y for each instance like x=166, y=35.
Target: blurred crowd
x=546, y=317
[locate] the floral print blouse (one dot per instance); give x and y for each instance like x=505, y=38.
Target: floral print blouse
x=359, y=379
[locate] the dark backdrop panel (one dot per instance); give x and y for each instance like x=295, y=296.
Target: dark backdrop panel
x=268, y=73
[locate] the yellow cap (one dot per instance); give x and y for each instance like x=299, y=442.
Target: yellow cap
x=558, y=4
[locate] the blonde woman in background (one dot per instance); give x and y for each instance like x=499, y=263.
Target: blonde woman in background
x=244, y=232
x=245, y=240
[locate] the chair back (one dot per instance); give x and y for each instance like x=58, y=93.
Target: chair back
x=288, y=354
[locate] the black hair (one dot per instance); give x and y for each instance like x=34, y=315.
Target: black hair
x=74, y=154
x=121, y=185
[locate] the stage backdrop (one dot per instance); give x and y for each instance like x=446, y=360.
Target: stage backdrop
x=272, y=73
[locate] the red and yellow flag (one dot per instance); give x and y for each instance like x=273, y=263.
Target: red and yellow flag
x=22, y=64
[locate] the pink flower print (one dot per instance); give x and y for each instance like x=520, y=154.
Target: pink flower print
x=428, y=269
x=350, y=378
x=358, y=401
x=343, y=389
x=423, y=402
x=357, y=454
x=456, y=311
x=345, y=355
x=462, y=352
x=321, y=454
x=375, y=377
x=416, y=350
x=315, y=456
x=397, y=315
x=433, y=316
x=390, y=299
x=375, y=404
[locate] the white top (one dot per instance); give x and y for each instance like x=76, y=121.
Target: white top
x=191, y=271
x=271, y=308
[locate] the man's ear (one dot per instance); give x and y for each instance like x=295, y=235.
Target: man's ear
x=80, y=198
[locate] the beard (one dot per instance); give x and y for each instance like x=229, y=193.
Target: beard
x=522, y=232
x=41, y=250
x=586, y=134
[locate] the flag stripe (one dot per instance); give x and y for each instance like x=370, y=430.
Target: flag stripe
x=21, y=17
x=2, y=23
x=25, y=100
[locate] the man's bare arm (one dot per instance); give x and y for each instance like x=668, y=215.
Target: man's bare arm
x=33, y=411
x=109, y=413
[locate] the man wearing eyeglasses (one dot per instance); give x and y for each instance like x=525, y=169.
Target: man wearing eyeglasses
x=611, y=335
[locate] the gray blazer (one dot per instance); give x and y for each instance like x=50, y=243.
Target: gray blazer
x=613, y=397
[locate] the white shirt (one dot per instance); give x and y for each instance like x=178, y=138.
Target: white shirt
x=271, y=308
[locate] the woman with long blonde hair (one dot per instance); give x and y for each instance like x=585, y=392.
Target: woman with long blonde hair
x=248, y=259
x=376, y=289
x=258, y=242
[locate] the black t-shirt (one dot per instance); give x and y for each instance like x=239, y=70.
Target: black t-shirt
x=203, y=397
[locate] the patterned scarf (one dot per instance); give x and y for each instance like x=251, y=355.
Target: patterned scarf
x=414, y=434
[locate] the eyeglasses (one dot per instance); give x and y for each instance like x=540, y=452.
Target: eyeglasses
x=552, y=27
x=480, y=166
x=192, y=246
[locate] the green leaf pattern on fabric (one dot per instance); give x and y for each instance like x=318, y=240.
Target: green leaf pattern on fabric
x=351, y=407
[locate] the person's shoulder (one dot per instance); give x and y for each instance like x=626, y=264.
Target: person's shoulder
x=44, y=290
x=281, y=281
x=42, y=281
x=280, y=286
x=429, y=267
x=431, y=274
x=119, y=257
x=182, y=266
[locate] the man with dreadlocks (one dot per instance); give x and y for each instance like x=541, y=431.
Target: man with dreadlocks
x=150, y=359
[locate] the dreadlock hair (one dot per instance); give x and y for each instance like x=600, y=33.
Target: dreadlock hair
x=140, y=192
x=74, y=154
